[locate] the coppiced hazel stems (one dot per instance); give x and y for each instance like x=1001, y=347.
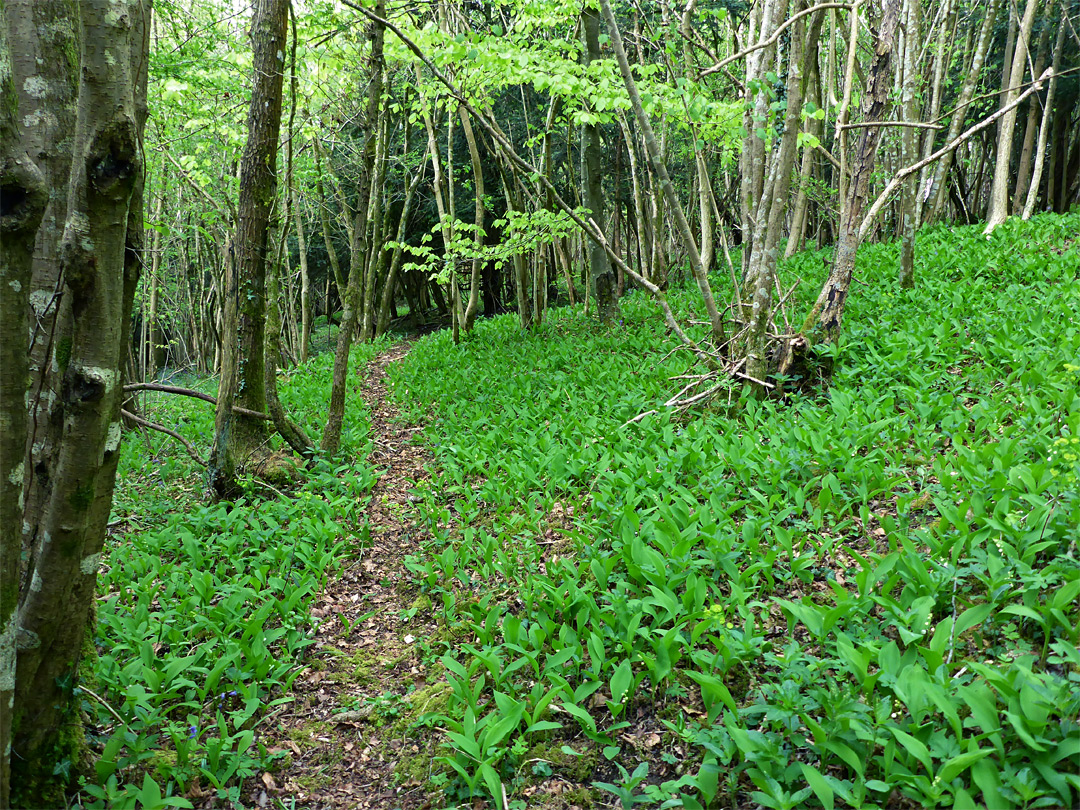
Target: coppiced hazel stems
x=653, y=150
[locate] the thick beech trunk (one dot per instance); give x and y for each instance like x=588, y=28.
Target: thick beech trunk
x=99, y=256
x=26, y=196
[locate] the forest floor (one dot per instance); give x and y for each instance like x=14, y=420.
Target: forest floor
x=340, y=730
x=505, y=593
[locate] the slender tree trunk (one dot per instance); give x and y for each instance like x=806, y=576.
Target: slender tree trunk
x=912, y=42
x=305, y=281
x=601, y=277
x=824, y=321
x=331, y=439
x=152, y=337
x=398, y=256
x=772, y=208
x=1048, y=105
x=100, y=253
x=999, y=192
x=704, y=183
x=967, y=91
x=291, y=432
x=478, y=236
x=240, y=439
x=1023, y=171
x=375, y=248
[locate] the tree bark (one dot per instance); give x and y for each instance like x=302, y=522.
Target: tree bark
x=967, y=91
x=239, y=440
x=912, y=42
x=389, y=288
x=305, y=281
x=824, y=321
x=715, y=319
x=1023, y=170
x=1048, y=105
x=26, y=196
x=478, y=219
x=98, y=262
x=601, y=277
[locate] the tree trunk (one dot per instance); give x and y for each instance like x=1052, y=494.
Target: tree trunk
x=1023, y=170
x=374, y=247
x=291, y=432
x=601, y=277
x=398, y=256
x=912, y=42
x=772, y=208
x=305, y=281
x=331, y=439
x=26, y=196
x=653, y=149
x=999, y=192
x=239, y=439
x=1040, y=148
x=99, y=260
x=478, y=219
x=824, y=321
x=967, y=91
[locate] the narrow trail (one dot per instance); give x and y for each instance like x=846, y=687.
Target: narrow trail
x=339, y=734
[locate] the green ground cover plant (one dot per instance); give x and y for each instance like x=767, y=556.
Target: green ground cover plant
x=858, y=598
x=204, y=613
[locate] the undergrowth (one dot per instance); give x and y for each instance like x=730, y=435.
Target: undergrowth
x=865, y=598
x=203, y=614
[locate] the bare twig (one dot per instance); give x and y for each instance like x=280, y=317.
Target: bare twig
x=101, y=700
x=776, y=35
x=162, y=429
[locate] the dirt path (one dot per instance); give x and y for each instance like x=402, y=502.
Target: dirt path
x=344, y=733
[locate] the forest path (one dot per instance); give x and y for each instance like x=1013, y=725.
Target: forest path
x=340, y=730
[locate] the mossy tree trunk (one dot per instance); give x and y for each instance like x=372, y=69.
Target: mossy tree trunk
x=99, y=255
x=22, y=185
x=240, y=440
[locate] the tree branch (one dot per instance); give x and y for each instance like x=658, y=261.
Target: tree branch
x=146, y=423
x=190, y=392
x=776, y=35
x=898, y=178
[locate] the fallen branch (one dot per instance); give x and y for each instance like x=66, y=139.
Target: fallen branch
x=191, y=392
x=162, y=429
x=899, y=177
